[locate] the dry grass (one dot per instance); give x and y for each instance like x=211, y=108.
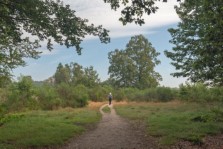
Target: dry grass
x=95, y=105
x=173, y=103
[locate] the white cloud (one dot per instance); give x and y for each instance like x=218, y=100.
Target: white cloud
x=100, y=13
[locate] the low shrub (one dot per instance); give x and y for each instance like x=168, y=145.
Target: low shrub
x=200, y=93
x=150, y=94
x=48, y=97
x=99, y=93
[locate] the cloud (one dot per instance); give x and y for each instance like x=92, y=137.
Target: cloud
x=100, y=13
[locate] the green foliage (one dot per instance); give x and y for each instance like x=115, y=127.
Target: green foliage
x=198, y=42
x=81, y=96
x=106, y=109
x=4, y=81
x=45, y=20
x=199, y=92
x=62, y=74
x=10, y=117
x=133, y=10
x=74, y=74
x=73, y=96
x=44, y=129
x=134, y=66
x=119, y=95
x=3, y=94
x=22, y=95
x=48, y=97
x=151, y=94
x=176, y=121
x=99, y=93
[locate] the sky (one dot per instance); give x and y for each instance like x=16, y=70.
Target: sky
x=95, y=53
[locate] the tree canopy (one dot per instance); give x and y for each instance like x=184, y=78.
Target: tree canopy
x=198, y=41
x=74, y=74
x=134, y=10
x=134, y=66
x=47, y=20
x=53, y=22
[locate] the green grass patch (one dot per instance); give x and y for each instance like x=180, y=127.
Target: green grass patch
x=176, y=121
x=106, y=109
x=45, y=128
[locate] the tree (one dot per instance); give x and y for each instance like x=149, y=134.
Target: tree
x=134, y=9
x=134, y=66
x=84, y=76
x=74, y=74
x=77, y=74
x=90, y=77
x=50, y=20
x=62, y=74
x=46, y=20
x=198, y=41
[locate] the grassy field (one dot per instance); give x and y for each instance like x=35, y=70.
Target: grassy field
x=46, y=128
x=106, y=109
x=175, y=121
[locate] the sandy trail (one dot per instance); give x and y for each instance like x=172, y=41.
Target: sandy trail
x=113, y=132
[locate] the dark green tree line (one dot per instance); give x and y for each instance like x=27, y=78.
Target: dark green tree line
x=74, y=74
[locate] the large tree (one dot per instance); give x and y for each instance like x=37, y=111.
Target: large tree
x=134, y=66
x=52, y=21
x=46, y=20
x=198, y=40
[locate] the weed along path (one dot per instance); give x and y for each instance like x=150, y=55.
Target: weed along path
x=113, y=132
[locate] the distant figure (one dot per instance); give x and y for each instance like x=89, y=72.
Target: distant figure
x=110, y=98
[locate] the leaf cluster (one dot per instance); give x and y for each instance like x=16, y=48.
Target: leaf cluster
x=134, y=66
x=47, y=20
x=75, y=74
x=198, y=41
x=133, y=10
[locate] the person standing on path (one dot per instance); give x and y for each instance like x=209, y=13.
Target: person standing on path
x=110, y=98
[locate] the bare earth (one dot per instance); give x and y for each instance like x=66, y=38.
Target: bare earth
x=113, y=132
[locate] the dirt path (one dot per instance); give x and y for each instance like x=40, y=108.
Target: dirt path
x=113, y=132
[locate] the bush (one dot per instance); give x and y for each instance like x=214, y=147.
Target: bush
x=3, y=95
x=150, y=94
x=73, y=96
x=99, y=93
x=80, y=94
x=119, y=95
x=21, y=95
x=164, y=94
x=48, y=97
x=200, y=93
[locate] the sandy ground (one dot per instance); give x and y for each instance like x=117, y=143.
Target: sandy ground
x=113, y=132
